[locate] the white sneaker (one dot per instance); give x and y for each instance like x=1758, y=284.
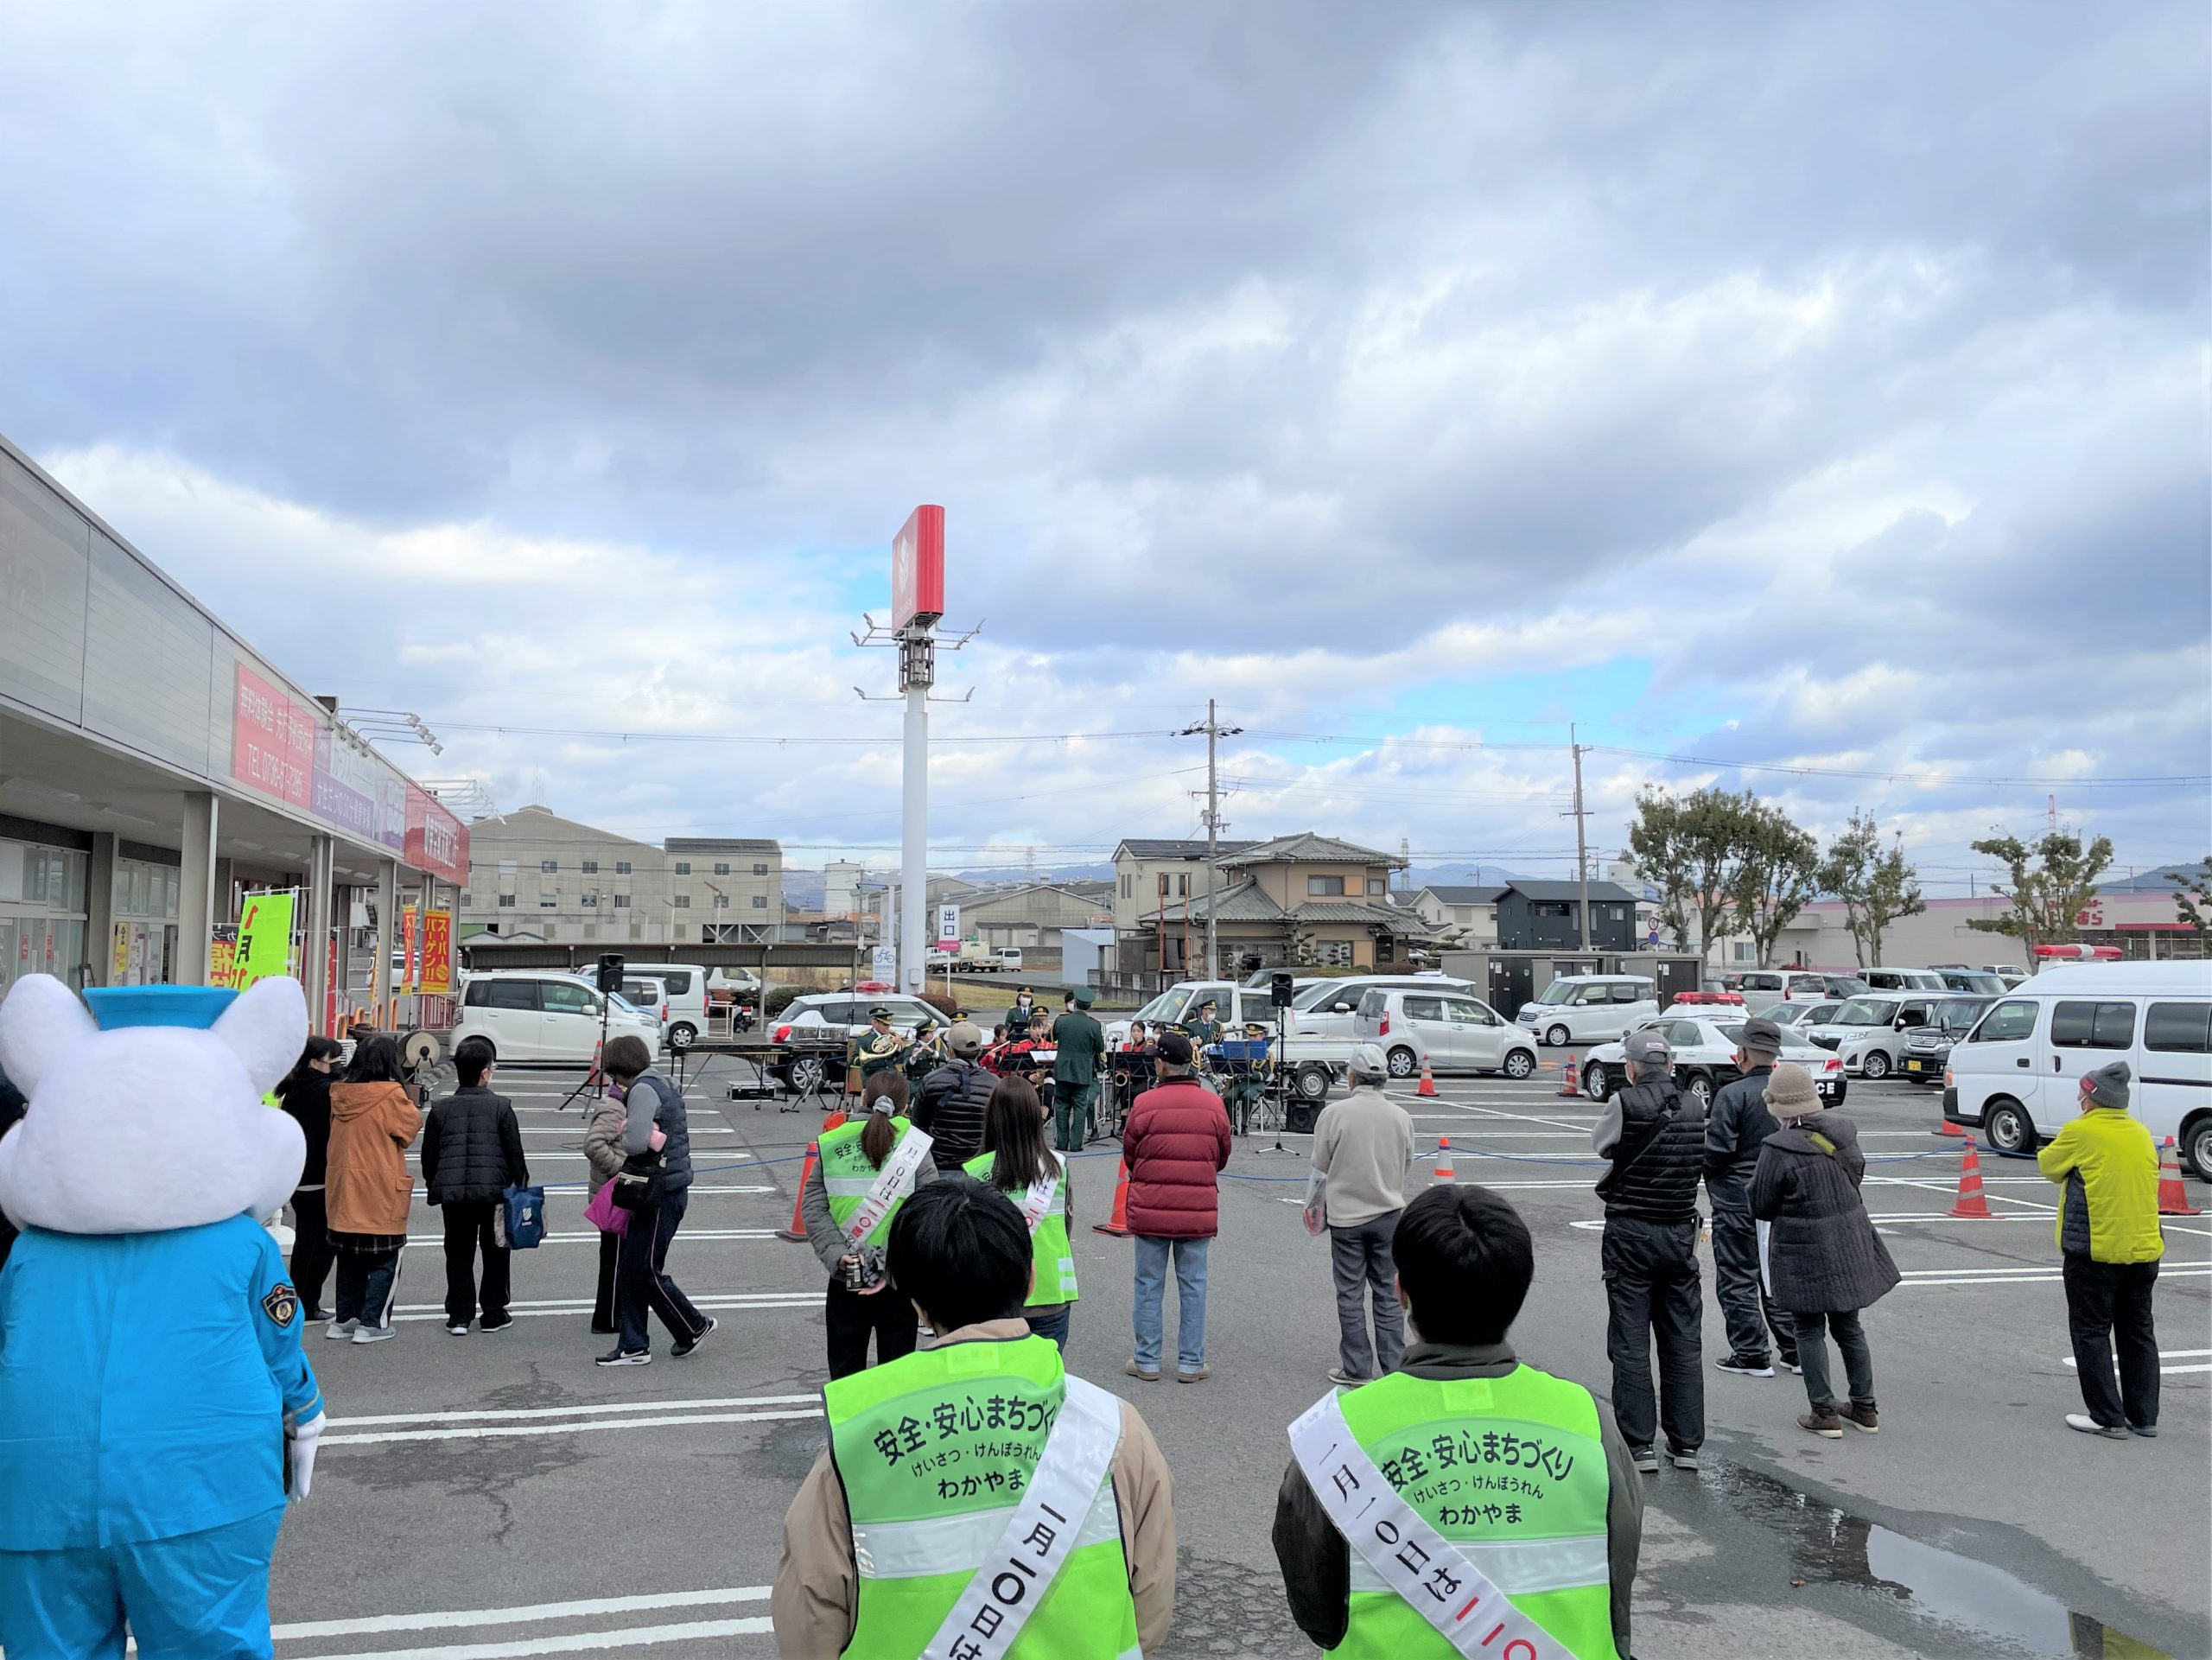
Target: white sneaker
x=374, y=1334
x=342, y=1329
x=460, y=1329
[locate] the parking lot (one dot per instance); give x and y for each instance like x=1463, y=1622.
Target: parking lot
x=485, y=1496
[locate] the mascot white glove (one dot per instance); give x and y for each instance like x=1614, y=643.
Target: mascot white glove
x=301, y=1447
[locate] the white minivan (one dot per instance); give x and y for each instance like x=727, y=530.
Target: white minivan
x=543, y=1016
x=1590, y=1008
x=686, y=985
x=2018, y=1075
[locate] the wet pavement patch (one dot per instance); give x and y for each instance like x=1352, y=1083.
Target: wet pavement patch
x=1831, y=1546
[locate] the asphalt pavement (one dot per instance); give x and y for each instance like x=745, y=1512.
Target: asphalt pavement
x=483, y=1497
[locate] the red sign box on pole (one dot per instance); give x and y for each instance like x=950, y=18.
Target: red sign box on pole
x=918, y=568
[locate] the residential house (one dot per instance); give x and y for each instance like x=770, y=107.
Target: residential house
x=1472, y=910
x=1547, y=916
x=1149, y=873
x=1306, y=900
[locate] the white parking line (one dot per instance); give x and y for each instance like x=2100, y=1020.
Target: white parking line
x=487, y=1425
x=460, y=1618
x=628, y=1637
x=741, y=1301
x=2172, y=1354
x=495, y=1416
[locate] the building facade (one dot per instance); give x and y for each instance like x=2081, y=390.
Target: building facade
x=155, y=771
x=1152, y=873
x=1303, y=901
x=1540, y=916
x=532, y=872
x=1472, y=910
x=1031, y=915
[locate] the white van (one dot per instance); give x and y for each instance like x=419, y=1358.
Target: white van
x=1902, y=980
x=541, y=1016
x=1590, y=1008
x=686, y=985
x=1453, y=1030
x=2018, y=1075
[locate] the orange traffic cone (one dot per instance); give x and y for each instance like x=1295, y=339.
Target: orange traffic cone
x=2173, y=1198
x=1427, y=1080
x=1950, y=1126
x=1971, y=1201
x=796, y=1231
x=1445, y=1170
x=1570, y=1082
x=1118, y=1224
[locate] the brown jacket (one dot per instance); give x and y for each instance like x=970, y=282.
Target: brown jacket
x=816, y=1598
x=603, y=1143
x=365, y=1183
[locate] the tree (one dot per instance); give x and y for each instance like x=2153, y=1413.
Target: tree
x=1877, y=888
x=2193, y=902
x=2051, y=879
x=1691, y=850
x=1777, y=879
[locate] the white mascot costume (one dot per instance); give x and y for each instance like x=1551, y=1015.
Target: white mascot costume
x=154, y=1405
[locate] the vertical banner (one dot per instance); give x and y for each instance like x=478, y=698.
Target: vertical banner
x=437, y=954
x=264, y=947
x=404, y=982
x=330, y=990
x=122, y=956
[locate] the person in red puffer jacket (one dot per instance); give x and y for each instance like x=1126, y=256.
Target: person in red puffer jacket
x=1176, y=1139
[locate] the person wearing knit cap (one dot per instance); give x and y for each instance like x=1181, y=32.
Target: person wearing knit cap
x=2108, y=1234
x=1736, y=1123
x=1821, y=1259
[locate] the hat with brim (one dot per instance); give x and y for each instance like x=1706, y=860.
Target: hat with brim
x=1175, y=1049
x=1083, y=996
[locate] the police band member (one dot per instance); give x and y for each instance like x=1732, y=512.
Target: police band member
x=1019, y=1016
x=1205, y=1030
x=925, y=1053
x=1379, y=1557
x=879, y=1047
x=1092, y=1575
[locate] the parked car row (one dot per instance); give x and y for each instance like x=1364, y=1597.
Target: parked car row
x=1704, y=1058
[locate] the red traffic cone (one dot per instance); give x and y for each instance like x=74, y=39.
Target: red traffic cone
x=1445, y=1170
x=2173, y=1198
x=1570, y=1082
x=1427, y=1080
x=1971, y=1201
x=1118, y=1224
x=1950, y=1126
x=796, y=1231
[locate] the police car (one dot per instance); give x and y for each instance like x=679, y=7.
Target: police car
x=1705, y=1059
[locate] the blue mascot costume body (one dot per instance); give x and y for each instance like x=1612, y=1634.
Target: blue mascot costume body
x=154, y=1405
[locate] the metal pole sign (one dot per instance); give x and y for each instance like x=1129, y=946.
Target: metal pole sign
x=948, y=925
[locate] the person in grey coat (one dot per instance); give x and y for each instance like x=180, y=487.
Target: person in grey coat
x=1824, y=1263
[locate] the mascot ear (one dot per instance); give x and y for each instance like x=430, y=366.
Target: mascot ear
x=266, y=1029
x=39, y=1020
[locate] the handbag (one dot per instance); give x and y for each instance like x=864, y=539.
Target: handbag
x=520, y=1223
x=604, y=1214
x=637, y=1185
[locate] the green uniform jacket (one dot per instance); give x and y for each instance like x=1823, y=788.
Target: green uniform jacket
x=2107, y=1169
x=1081, y=1043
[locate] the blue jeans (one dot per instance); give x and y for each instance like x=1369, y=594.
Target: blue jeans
x=1054, y=1326
x=1190, y=1300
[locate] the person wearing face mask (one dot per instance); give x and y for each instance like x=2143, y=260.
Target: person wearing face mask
x=305, y=1094
x=1019, y=1016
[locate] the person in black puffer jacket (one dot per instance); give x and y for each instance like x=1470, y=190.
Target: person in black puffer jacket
x=472, y=1154
x=656, y=1141
x=1735, y=1129
x=305, y=1094
x=953, y=1099
x=1655, y=1135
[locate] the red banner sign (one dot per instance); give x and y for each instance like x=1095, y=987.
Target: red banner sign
x=437, y=841
x=918, y=568
x=273, y=740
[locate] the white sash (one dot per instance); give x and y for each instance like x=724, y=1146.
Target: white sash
x=1411, y=1557
x=1037, y=1201
x=892, y=1183
x=1041, y=1535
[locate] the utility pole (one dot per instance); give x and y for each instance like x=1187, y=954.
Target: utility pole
x=1215, y=732
x=1582, y=857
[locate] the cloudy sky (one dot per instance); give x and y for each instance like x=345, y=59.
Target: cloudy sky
x=1782, y=387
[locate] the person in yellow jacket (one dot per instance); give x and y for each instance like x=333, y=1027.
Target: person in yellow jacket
x=1017, y=1161
x=2107, y=1169
x=975, y=1499
x=1464, y=1491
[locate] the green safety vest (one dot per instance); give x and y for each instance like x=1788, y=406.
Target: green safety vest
x=1512, y=1470
x=934, y=1451
x=1049, y=1249
x=847, y=1175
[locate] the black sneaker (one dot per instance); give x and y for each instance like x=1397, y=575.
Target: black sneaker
x=678, y=1351
x=1728, y=1363
x=499, y=1325
x=627, y=1357
x=1683, y=1458
x=1645, y=1459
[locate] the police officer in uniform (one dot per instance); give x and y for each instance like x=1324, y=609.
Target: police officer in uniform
x=877, y=1049
x=1461, y=1401
x=926, y=1054
x=1206, y=1029
x=1018, y=1016
x=1076, y=1059
x=1094, y=1578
